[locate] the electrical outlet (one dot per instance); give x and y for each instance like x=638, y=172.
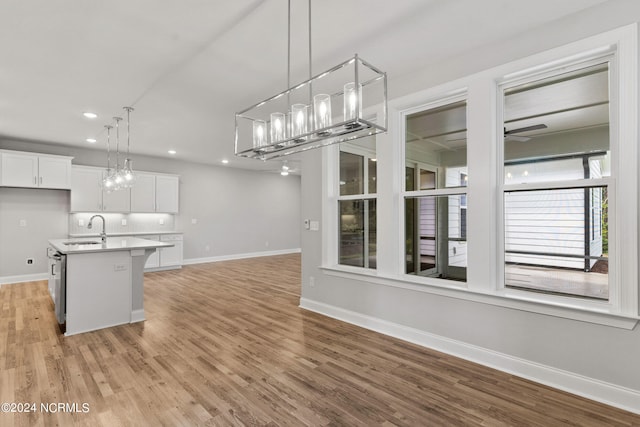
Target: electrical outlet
x=81, y=223
x=207, y=248
x=266, y=244
x=29, y=261
x=306, y=224
x=119, y=267
x=194, y=220
x=124, y=222
x=23, y=223
x=312, y=281
x=314, y=225
x=161, y=221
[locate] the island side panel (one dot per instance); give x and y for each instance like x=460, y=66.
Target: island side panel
x=138, y=259
x=98, y=290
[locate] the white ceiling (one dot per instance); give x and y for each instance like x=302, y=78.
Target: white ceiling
x=188, y=66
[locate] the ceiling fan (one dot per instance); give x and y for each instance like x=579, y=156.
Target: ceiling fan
x=509, y=134
x=285, y=169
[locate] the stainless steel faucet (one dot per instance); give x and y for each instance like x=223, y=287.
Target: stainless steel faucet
x=103, y=235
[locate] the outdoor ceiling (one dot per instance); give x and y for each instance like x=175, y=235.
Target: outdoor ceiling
x=572, y=102
x=188, y=66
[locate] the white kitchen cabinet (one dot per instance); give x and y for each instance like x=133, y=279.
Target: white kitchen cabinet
x=87, y=194
x=32, y=170
x=116, y=201
x=167, y=190
x=86, y=189
x=143, y=193
x=171, y=257
x=165, y=258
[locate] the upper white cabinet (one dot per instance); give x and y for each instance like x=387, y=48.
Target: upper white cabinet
x=143, y=193
x=32, y=170
x=87, y=194
x=150, y=193
x=167, y=193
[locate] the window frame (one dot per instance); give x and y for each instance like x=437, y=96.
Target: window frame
x=485, y=165
x=366, y=155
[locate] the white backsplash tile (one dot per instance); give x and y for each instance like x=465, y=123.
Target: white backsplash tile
x=136, y=223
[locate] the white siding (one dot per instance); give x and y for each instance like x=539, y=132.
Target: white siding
x=545, y=221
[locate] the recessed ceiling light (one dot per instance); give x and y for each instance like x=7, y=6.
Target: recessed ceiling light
x=90, y=140
x=225, y=161
x=171, y=151
x=90, y=115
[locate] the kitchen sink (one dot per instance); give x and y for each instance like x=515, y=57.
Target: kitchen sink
x=91, y=242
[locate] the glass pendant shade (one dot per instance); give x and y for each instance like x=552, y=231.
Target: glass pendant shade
x=299, y=116
x=278, y=127
x=352, y=101
x=322, y=113
x=259, y=133
x=129, y=178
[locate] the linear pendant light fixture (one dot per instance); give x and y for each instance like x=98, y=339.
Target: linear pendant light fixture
x=346, y=102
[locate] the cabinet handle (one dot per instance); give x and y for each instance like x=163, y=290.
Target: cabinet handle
x=35, y=180
x=40, y=180
x=52, y=272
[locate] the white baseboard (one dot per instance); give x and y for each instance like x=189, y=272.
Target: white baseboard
x=610, y=394
x=137, y=315
x=5, y=280
x=240, y=256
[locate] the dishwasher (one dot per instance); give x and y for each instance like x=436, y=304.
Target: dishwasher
x=58, y=282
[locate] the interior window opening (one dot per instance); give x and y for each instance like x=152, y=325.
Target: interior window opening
x=435, y=224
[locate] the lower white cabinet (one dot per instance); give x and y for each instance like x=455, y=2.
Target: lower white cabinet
x=165, y=258
x=170, y=257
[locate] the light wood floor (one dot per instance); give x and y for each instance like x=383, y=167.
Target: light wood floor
x=226, y=344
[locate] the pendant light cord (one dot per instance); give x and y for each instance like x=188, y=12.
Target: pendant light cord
x=117, y=119
x=108, y=127
x=129, y=110
x=310, y=73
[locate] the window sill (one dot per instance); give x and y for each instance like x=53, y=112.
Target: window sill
x=513, y=300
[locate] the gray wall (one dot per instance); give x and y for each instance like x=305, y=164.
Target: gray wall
x=604, y=353
x=237, y=211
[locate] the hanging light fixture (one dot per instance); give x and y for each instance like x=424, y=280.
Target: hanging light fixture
x=128, y=176
x=118, y=179
x=108, y=182
x=306, y=115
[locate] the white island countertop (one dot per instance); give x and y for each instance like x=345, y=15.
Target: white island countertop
x=91, y=245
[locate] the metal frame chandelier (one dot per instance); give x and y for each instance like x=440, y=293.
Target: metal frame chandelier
x=346, y=102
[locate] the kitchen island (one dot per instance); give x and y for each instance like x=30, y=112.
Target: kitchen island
x=104, y=281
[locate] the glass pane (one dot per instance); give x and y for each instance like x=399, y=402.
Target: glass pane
x=556, y=241
x=351, y=174
x=358, y=233
x=373, y=175
x=437, y=139
x=409, y=179
x=373, y=232
x=557, y=128
x=436, y=233
x=427, y=180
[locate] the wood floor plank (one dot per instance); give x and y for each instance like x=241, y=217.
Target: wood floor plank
x=225, y=344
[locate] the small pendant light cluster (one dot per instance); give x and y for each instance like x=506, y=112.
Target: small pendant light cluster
x=119, y=177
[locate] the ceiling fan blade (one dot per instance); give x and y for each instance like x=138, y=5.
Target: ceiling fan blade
x=525, y=129
x=516, y=138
